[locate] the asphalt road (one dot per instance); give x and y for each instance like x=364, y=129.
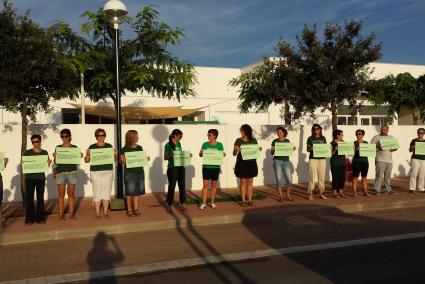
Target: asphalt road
x=394, y=262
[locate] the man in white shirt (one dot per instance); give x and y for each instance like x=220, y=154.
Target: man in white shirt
x=383, y=161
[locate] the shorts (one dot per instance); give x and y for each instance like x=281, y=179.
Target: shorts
x=66, y=178
x=210, y=173
x=360, y=167
x=134, y=184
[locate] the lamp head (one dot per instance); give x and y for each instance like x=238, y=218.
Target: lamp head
x=115, y=12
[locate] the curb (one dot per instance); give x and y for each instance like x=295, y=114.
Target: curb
x=208, y=260
x=276, y=214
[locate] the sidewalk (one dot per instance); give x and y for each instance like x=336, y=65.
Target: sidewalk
x=154, y=217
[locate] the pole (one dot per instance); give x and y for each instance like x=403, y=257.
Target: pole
x=82, y=96
x=119, y=175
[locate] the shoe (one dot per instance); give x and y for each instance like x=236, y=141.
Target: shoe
x=251, y=203
x=183, y=208
x=310, y=197
x=168, y=208
x=130, y=214
x=41, y=222
x=98, y=217
x=137, y=213
x=106, y=216
x=412, y=191
x=323, y=197
x=243, y=204
x=377, y=193
x=203, y=206
x=213, y=206
x=289, y=199
x=391, y=192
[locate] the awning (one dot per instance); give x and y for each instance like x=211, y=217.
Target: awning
x=142, y=113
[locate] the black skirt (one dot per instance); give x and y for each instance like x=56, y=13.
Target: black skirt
x=246, y=168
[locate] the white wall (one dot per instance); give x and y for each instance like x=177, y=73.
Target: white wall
x=153, y=138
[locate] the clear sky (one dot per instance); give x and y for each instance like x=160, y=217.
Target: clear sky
x=235, y=33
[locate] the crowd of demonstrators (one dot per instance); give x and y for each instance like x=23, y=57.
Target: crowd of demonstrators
x=246, y=149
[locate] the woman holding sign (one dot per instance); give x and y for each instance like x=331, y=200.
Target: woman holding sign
x=360, y=163
x=35, y=163
x=247, y=150
x=281, y=164
x=338, y=165
x=317, y=163
x=211, y=170
x=134, y=174
x=66, y=162
x=101, y=171
x=417, y=147
x=175, y=174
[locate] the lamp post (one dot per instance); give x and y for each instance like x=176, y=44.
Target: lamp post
x=115, y=12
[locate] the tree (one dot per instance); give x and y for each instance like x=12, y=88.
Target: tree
x=401, y=91
x=31, y=70
x=323, y=73
x=145, y=63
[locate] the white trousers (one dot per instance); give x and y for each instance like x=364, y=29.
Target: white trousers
x=418, y=174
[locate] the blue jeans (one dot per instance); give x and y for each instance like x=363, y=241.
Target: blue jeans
x=134, y=184
x=282, y=170
x=383, y=169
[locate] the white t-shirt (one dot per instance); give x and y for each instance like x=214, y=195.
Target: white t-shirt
x=382, y=156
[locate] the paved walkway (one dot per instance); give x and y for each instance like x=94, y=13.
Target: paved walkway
x=154, y=216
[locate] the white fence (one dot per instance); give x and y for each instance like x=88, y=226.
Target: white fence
x=154, y=137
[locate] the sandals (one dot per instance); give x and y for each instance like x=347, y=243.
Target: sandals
x=251, y=203
x=289, y=199
x=243, y=204
x=130, y=214
x=168, y=208
x=137, y=213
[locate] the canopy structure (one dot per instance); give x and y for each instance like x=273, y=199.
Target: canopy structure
x=141, y=113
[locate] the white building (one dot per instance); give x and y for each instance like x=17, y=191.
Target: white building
x=215, y=101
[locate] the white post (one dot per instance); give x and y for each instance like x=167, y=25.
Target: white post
x=82, y=97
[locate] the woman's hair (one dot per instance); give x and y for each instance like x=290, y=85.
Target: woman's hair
x=66, y=131
x=247, y=130
x=316, y=126
x=174, y=133
x=335, y=133
x=283, y=129
x=421, y=129
x=213, y=132
x=98, y=131
x=361, y=131
x=130, y=137
x=36, y=136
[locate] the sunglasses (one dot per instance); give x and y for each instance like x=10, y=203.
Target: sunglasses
x=316, y=129
x=101, y=135
x=35, y=141
x=420, y=132
x=359, y=134
x=64, y=136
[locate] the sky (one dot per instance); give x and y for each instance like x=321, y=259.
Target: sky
x=236, y=33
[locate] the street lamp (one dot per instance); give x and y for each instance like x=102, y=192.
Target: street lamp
x=115, y=12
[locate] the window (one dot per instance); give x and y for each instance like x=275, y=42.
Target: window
x=381, y=120
x=70, y=116
x=352, y=120
x=347, y=120
x=365, y=121
x=342, y=120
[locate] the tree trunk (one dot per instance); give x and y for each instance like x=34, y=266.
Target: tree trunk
x=414, y=117
x=287, y=114
x=334, y=117
x=24, y=126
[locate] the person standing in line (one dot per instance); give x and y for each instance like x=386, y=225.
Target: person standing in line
x=338, y=165
x=175, y=175
x=417, y=164
x=66, y=177
x=35, y=182
x=245, y=170
x=134, y=178
x=101, y=176
x=316, y=166
x=383, y=162
x=5, y=161
x=210, y=172
x=282, y=166
x=360, y=165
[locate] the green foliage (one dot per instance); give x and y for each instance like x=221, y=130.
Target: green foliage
x=145, y=63
x=320, y=73
x=32, y=71
x=401, y=91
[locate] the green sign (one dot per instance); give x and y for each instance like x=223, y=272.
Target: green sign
x=102, y=156
x=68, y=155
x=212, y=157
x=1, y=161
x=250, y=151
x=136, y=159
x=389, y=144
x=35, y=164
x=283, y=149
x=419, y=148
x=322, y=151
x=181, y=158
x=346, y=148
x=367, y=150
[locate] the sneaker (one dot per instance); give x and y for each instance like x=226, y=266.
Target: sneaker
x=377, y=193
x=203, y=206
x=412, y=191
x=213, y=206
